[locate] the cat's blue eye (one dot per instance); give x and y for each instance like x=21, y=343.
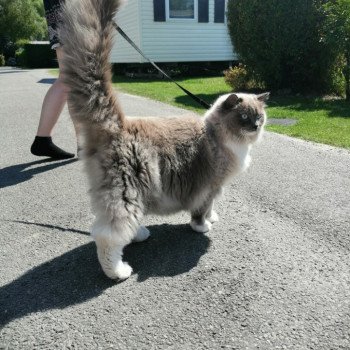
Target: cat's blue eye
x=244, y=117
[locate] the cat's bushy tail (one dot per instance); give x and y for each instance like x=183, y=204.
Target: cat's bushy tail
x=86, y=34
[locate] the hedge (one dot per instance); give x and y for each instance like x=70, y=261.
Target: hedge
x=34, y=55
x=279, y=42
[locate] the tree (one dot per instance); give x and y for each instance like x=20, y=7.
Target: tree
x=279, y=42
x=337, y=34
x=22, y=19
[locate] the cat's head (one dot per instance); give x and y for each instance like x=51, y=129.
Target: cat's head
x=241, y=116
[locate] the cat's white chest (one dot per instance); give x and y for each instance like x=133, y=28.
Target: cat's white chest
x=242, y=154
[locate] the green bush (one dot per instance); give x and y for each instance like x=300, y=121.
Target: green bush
x=240, y=80
x=2, y=60
x=36, y=56
x=236, y=77
x=279, y=42
x=336, y=34
x=21, y=57
x=337, y=83
x=7, y=47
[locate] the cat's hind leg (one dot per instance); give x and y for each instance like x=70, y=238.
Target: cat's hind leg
x=111, y=238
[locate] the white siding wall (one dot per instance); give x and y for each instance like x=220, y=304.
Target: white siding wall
x=128, y=19
x=173, y=40
x=184, y=40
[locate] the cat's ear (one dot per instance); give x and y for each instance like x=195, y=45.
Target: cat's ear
x=263, y=97
x=232, y=101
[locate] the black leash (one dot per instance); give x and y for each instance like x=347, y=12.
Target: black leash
x=196, y=98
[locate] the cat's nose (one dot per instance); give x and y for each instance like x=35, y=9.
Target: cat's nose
x=255, y=127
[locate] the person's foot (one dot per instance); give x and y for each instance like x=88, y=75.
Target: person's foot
x=44, y=147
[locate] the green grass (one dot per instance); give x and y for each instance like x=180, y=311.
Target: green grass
x=207, y=89
x=53, y=71
x=318, y=120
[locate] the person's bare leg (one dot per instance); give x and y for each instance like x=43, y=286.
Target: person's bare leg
x=52, y=107
x=54, y=101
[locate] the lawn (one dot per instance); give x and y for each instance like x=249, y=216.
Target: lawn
x=207, y=89
x=317, y=119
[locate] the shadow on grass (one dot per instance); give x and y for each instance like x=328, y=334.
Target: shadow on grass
x=187, y=101
x=139, y=80
x=334, y=108
x=182, y=99
x=76, y=277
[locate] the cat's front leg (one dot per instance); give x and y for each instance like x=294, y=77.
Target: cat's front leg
x=211, y=214
x=199, y=218
x=200, y=224
x=213, y=217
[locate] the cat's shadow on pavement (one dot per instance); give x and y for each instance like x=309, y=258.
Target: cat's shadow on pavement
x=76, y=277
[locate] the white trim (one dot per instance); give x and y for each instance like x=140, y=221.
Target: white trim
x=186, y=20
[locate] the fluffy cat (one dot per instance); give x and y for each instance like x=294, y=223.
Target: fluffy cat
x=151, y=165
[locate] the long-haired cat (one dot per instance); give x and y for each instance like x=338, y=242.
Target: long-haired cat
x=151, y=165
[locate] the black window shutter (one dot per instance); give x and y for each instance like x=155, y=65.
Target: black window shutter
x=219, y=11
x=203, y=11
x=159, y=10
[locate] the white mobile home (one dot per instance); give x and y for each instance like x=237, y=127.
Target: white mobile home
x=174, y=31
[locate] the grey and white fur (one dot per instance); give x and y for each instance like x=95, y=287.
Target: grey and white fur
x=151, y=165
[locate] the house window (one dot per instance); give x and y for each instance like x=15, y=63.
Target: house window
x=219, y=11
x=181, y=9
x=185, y=10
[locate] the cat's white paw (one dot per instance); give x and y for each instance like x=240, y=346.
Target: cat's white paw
x=142, y=234
x=112, y=264
x=213, y=217
x=123, y=270
x=201, y=228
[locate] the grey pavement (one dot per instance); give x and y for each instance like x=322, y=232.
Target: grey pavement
x=273, y=273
